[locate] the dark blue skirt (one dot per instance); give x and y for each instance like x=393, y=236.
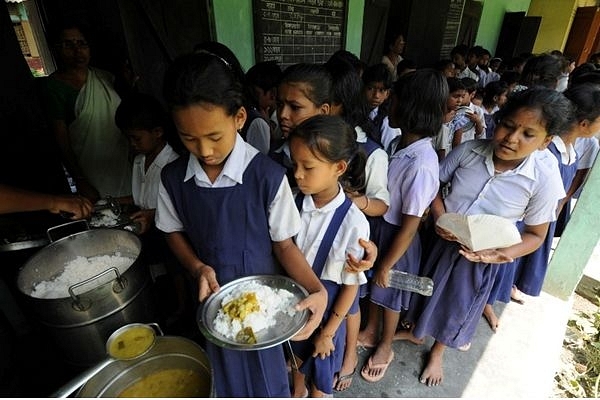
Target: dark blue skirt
x=396, y=299
x=461, y=288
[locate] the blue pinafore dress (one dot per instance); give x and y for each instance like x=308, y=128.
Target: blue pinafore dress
x=451, y=314
x=368, y=147
x=228, y=229
x=410, y=262
x=322, y=371
x=531, y=270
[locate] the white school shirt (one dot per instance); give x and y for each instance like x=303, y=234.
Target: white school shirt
x=144, y=184
x=467, y=73
x=413, y=180
x=443, y=140
x=387, y=132
x=284, y=221
x=587, y=150
x=376, y=171
x=567, y=152
x=315, y=222
x=259, y=135
x=530, y=191
x=470, y=133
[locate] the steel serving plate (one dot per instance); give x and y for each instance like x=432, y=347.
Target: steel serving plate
x=286, y=327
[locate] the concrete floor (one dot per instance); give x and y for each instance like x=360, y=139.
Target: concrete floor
x=519, y=361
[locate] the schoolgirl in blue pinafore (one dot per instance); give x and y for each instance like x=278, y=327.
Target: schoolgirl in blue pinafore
x=531, y=269
x=327, y=164
x=413, y=183
x=370, y=146
x=462, y=287
x=322, y=370
x=236, y=242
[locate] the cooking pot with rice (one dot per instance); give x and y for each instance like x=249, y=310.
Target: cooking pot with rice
x=80, y=313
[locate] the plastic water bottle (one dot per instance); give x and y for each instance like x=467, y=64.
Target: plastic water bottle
x=409, y=282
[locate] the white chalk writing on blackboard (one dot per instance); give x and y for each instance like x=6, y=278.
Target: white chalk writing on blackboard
x=292, y=31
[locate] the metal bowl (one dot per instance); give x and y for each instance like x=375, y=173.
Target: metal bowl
x=286, y=327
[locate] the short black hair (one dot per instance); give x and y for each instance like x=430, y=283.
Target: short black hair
x=317, y=78
x=421, y=98
x=405, y=64
x=140, y=111
x=543, y=70
x=331, y=137
x=56, y=30
x=470, y=84
x=461, y=49
x=265, y=75
x=202, y=78
x=350, y=58
x=346, y=90
x=556, y=110
x=378, y=73
x=455, y=84
x=493, y=89
x=586, y=99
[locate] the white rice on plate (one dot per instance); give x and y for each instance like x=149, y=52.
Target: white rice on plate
x=271, y=302
x=104, y=218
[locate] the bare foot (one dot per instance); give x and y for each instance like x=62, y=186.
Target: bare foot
x=490, y=316
x=407, y=335
x=517, y=296
x=433, y=373
x=366, y=339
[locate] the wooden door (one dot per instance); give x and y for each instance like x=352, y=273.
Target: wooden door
x=582, y=37
x=509, y=34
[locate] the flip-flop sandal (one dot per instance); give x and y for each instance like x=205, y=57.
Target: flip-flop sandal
x=465, y=347
x=364, y=345
x=517, y=300
x=339, y=379
x=364, y=372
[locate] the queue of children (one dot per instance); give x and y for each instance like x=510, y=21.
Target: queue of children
x=318, y=162
x=327, y=167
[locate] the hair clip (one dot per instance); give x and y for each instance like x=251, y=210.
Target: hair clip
x=202, y=51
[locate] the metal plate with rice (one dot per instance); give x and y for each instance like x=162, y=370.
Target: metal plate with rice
x=286, y=326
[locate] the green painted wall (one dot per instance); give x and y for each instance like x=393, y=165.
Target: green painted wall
x=356, y=10
x=577, y=242
x=233, y=27
x=491, y=20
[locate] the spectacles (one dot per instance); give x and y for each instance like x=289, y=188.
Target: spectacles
x=72, y=44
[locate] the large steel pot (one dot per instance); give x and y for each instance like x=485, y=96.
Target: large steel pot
x=167, y=353
x=81, y=322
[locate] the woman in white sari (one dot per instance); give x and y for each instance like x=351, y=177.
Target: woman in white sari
x=81, y=103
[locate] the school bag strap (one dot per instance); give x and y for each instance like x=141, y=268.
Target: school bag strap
x=330, y=233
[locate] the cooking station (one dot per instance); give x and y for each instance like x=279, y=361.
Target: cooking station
x=53, y=340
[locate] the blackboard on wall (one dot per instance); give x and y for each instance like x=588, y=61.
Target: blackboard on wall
x=294, y=31
x=453, y=19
